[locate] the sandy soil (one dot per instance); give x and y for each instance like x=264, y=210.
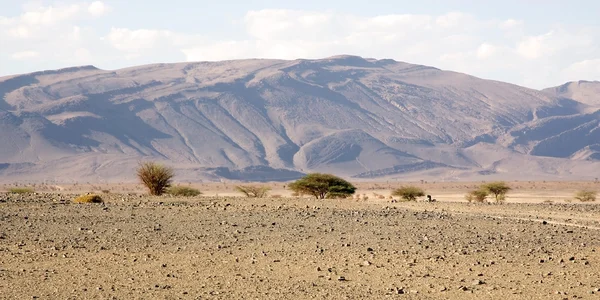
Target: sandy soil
x=138, y=247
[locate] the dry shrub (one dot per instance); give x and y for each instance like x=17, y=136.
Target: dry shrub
x=88, y=198
x=586, y=195
x=156, y=177
x=253, y=191
x=183, y=191
x=21, y=190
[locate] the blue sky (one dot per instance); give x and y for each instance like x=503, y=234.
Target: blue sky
x=532, y=43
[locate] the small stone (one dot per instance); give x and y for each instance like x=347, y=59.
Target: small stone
x=478, y=282
x=370, y=249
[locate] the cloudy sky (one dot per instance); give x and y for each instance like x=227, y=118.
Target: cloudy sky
x=535, y=43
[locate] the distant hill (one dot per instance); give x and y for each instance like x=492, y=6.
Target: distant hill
x=587, y=92
x=360, y=118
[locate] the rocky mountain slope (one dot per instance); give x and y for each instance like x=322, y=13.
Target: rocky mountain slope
x=276, y=119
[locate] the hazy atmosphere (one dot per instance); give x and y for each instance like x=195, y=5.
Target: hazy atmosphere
x=536, y=44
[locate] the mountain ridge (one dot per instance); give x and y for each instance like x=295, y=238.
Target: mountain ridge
x=356, y=117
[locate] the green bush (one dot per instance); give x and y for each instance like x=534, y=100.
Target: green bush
x=586, y=195
x=21, y=190
x=88, y=198
x=253, y=191
x=156, y=177
x=408, y=193
x=322, y=186
x=183, y=191
x=477, y=195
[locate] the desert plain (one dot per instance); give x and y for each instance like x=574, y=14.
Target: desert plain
x=539, y=244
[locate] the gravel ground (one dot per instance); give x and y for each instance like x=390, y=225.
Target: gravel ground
x=134, y=247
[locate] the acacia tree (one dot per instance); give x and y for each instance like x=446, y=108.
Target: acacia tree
x=498, y=188
x=323, y=186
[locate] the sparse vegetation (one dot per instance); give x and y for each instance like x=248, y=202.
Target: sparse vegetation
x=586, y=195
x=477, y=195
x=252, y=191
x=183, y=191
x=156, y=177
x=21, y=190
x=89, y=198
x=498, y=189
x=408, y=193
x=323, y=186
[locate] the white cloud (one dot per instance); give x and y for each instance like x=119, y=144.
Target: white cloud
x=486, y=51
x=498, y=49
x=97, y=8
x=586, y=69
x=511, y=24
x=534, y=47
x=136, y=40
x=82, y=55
x=37, y=20
x=49, y=15
x=24, y=55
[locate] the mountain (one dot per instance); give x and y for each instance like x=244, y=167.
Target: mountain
x=263, y=119
x=587, y=92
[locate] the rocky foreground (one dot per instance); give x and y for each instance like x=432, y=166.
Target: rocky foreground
x=134, y=247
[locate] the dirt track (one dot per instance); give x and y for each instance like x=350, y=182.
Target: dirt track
x=231, y=248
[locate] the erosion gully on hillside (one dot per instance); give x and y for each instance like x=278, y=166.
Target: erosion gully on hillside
x=136, y=247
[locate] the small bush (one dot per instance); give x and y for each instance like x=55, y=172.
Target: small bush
x=21, y=190
x=477, y=195
x=183, y=191
x=253, y=191
x=586, y=195
x=409, y=193
x=89, y=198
x=156, y=177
